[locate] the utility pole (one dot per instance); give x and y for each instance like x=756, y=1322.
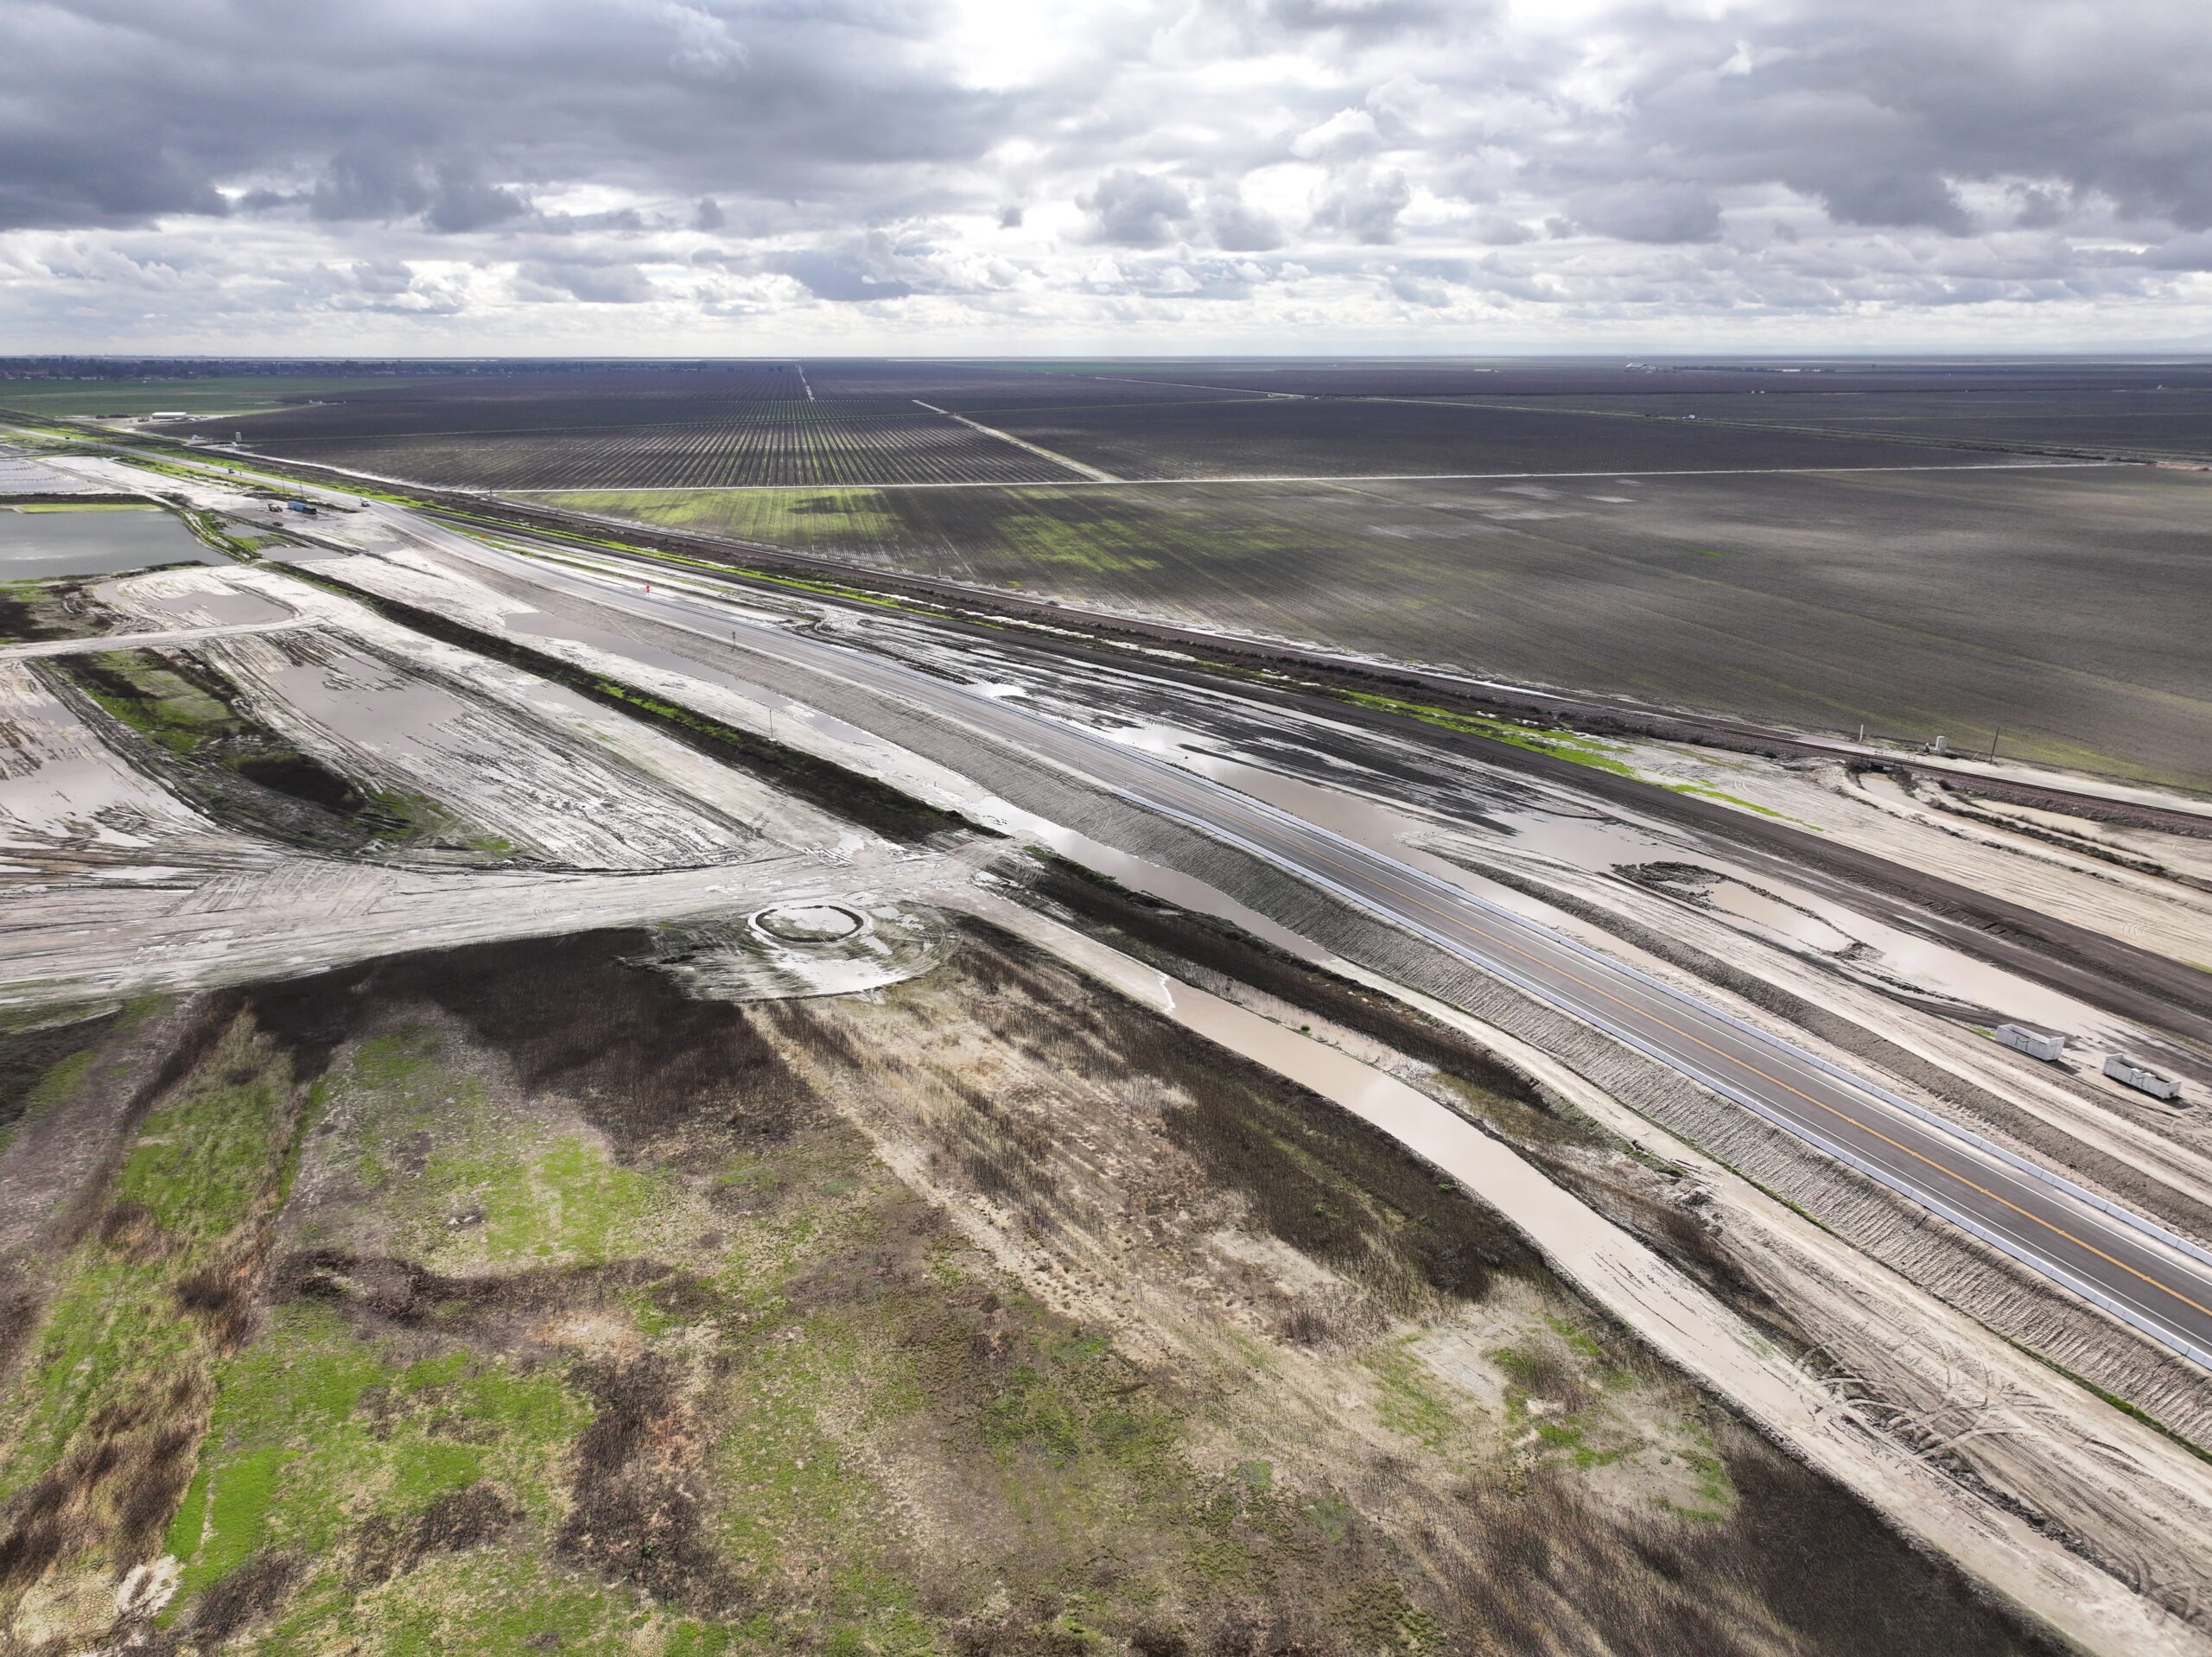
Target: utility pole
x=1994, y=735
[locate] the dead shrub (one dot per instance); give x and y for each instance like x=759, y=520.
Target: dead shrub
x=249, y=1594
x=471, y=1517
x=581, y=1015
x=113, y=1490
x=638, y=1496
x=129, y=1230
x=221, y=1298
x=1153, y=1641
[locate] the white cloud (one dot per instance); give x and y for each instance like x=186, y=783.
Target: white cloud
x=704, y=46
x=1348, y=132
x=1364, y=205
x=692, y=175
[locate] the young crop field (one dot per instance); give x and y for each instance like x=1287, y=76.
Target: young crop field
x=861, y=421
x=963, y=387
x=1319, y=437
x=545, y=400
x=1586, y=376
x=2057, y=604
x=680, y=426
x=2130, y=419
x=840, y=522
x=804, y=443
x=205, y=394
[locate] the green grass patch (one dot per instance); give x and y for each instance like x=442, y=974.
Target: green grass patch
x=1410, y=1399
x=1706, y=792
x=187, y=708
x=58, y=1083
x=203, y=1161
x=198, y=1174
x=426, y=1139
x=501, y=1602
x=89, y=506
x=112, y=1330
x=315, y=1431
x=180, y=711
x=1569, y=746
x=799, y=517
x=1559, y=744
x=205, y=395
x=558, y=1200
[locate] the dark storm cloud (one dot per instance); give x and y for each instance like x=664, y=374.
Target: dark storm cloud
x=739, y=156
x=119, y=112
x=456, y=113
x=1358, y=20
x=594, y=285
x=1237, y=227
x=1648, y=210
x=1365, y=204
x=1878, y=111
x=451, y=197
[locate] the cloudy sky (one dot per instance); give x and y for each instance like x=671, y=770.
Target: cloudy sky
x=701, y=177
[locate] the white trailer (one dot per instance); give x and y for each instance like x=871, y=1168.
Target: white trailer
x=2141, y=1077
x=2036, y=1043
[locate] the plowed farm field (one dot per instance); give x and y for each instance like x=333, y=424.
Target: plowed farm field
x=2060, y=605
x=790, y=444
x=1350, y=437
x=676, y=426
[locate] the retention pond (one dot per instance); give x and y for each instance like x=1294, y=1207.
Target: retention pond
x=37, y=545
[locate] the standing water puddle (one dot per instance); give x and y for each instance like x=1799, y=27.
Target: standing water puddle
x=538, y=625
x=40, y=544
x=1595, y=844
x=1598, y=845
x=1800, y=926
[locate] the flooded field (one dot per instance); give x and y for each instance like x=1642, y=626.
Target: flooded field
x=36, y=545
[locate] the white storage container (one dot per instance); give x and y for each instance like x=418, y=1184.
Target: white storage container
x=2141, y=1077
x=2027, y=1038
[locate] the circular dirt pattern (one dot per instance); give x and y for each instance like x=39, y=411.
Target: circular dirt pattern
x=808, y=923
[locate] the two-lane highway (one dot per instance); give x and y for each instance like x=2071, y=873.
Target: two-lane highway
x=2133, y=1268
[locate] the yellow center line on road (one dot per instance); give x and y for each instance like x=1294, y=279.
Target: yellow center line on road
x=1744, y=1065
